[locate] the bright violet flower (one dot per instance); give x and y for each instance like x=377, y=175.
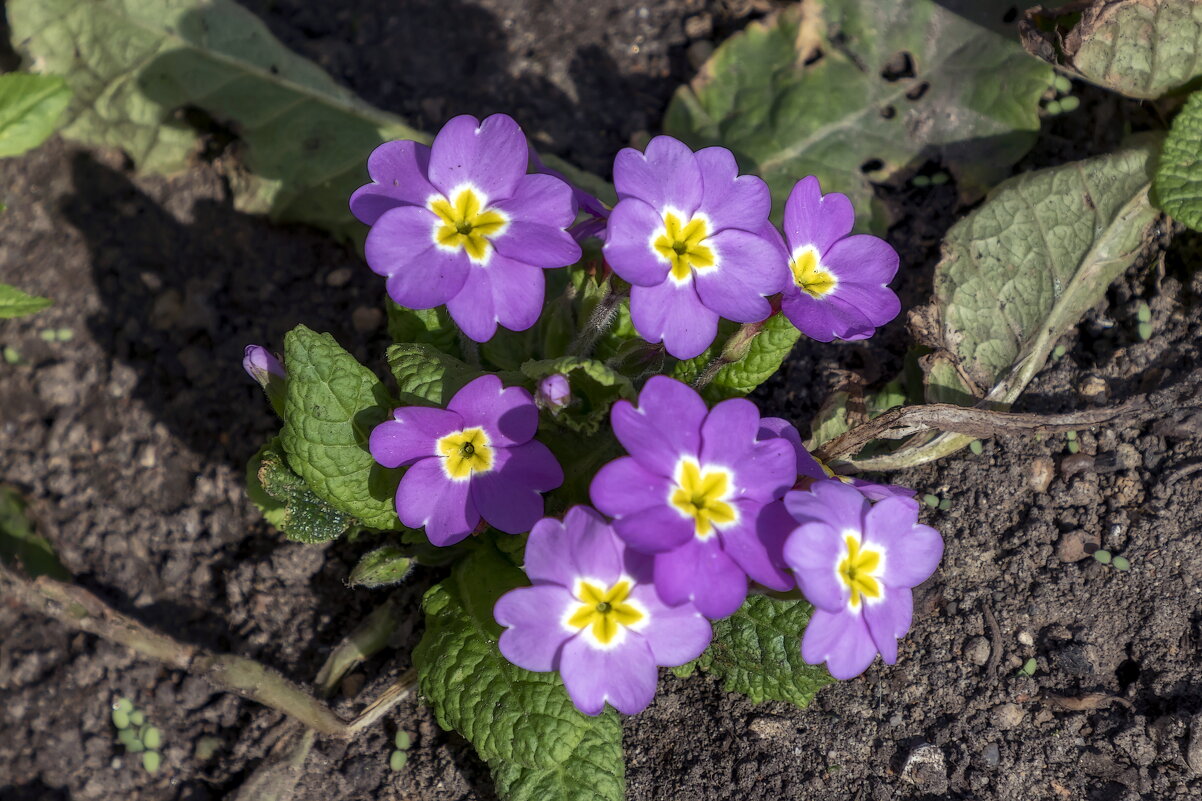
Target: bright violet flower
x=264, y=368
x=839, y=282
x=554, y=392
x=808, y=467
x=594, y=616
x=461, y=223
x=855, y=562
x=687, y=233
x=693, y=492
x=476, y=458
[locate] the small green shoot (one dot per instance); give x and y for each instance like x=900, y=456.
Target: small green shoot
x=1142, y=312
x=403, y=740
x=57, y=334
x=976, y=447
x=1102, y=556
x=151, y=761
x=945, y=504
x=1058, y=352
x=1062, y=84
x=1070, y=435
x=1029, y=667
x=939, y=179
x=1120, y=563
x=1074, y=446
x=1145, y=331
x=921, y=181
x=1070, y=103
x=1053, y=107
x=12, y=355
x=931, y=500
x=136, y=735
x=397, y=760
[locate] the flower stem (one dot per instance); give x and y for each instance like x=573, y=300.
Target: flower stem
x=599, y=321
x=735, y=349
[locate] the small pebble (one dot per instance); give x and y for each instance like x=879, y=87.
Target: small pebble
x=991, y=754
x=699, y=26
x=1007, y=716
x=1193, y=750
x=977, y=651
x=366, y=319
x=1094, y=388
x=1075, y=546
x=1042, y=472
x=1025, y=638
x=339, y=277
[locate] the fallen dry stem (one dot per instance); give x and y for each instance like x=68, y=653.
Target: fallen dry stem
x=82, y=610
x=982, y=423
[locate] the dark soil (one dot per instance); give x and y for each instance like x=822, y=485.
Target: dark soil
x=131, y=438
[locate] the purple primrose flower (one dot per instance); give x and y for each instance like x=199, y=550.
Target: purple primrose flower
x=809, y=467
x=476, y=458
x=839, y=288
x=693, y=493
x=856, y=561
x=594, y=616
x=687, y=232
x=266, y=370
x=461, y=223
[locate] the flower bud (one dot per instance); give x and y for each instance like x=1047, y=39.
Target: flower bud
x=267, y=370
x=554, y=393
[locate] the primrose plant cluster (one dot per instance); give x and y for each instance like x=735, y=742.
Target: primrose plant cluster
x=599, y=442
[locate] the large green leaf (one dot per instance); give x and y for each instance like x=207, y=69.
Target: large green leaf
x=287, y=502
x=30, y=106
x=135, y=65
x=333, y=404
x=1178, y=184
x=15, y=303
x=427, y=376
x=757, y=359
x=20, y=544
x=523, y=724
x=1021, y=270
x=757, y=652
x=804, y=94
x=1139, y=48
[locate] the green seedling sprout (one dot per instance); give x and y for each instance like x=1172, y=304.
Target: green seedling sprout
x=1145, y=331
x=939, y=179
x=945, y=504
x=1058, y=352
x=151, y=761
x=403, y=740
x=1053, y=107
x=12, y=355
x=921, y=181
x=1102, y=556
x=1120, y=563
x=152, y=737
x=1074, y=446
x=397, y=760
x=1070, y=103
x=1029, y=667
x=1142, y=312
x=1062, y=84
x=137, y=718
x=976, y=447
x=931, y=500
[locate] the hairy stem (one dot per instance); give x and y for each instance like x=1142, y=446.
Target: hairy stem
x=599, y=321
x=82, y=610
x=735, y=349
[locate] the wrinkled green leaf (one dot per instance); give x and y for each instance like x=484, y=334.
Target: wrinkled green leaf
x=383, y=567
x=763, y=358
x=288, y=503
x=431, y=327
x=1021, y=269
x=757, y=652
x=1178, y=184
x=971, y=103
x=333, y=404
x=943, y=383
x=30, y=106
x=20, y=544
x=15, y=303
x=594, y=386
x=1139, y=48
x=523, y=724
x=427, y=376
x=830, y=421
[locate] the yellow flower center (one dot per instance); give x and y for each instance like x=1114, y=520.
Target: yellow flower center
x=463, y=222
x=605, y=611
x=809, y=274
x=680, y=244
x=858, y=569
x=466, y=452
x=704, y=496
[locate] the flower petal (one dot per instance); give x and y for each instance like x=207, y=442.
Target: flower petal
x=426, y=498
x=701, y=572
x=508, y=496
x=730, y=200
x=420, y=275
x=506, y=291
x=624, y=487
x=912, y=550
x=582, y=545
x=663, y=427
x=632, y=226
x=878, y=304
x=889, y=620
x=674, y=314
x=814, y=550
x=676, y=634
x=832, y=502
x=655, y=529
x=398, y=174
x=826, y=319
x=508, y=414
x=541, y=199
x=812, y=218
x=537, y=244
x=841, y=640
x=534, y=631
x=755, y=543
x=489, y=155
x=411, y=434
x=862, y=259
x=665, y=175
x=766, y=471
x=749, y=269
x=624, y=676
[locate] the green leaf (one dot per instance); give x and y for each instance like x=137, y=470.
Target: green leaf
x=803, y=94
x=431, y=327
x=19, y=543
x=523, y=724
x=594, y=386
x=382, y=567
x=763, y=357
x=830, y=421
x=333, y=404
x=425, y=375
x=757, y=652
x=15, y=303
x=30, y=106
x=288, y=503
x=1022, y=268
x=1139, y=48
x=1177, y=187
x=132, y=65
